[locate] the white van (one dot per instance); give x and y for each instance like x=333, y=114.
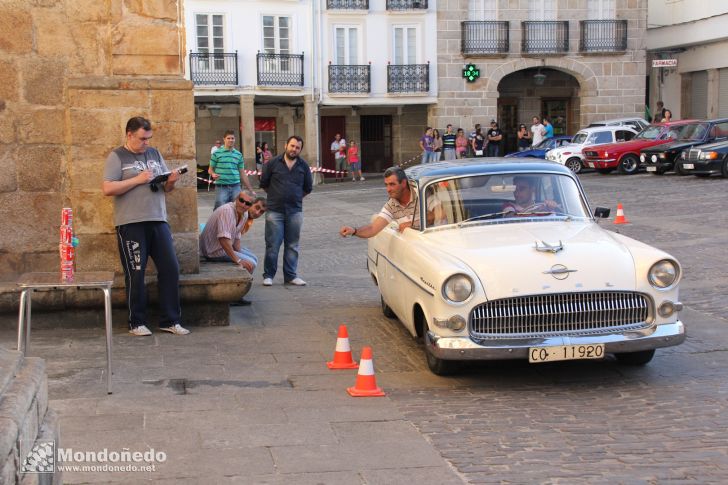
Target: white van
x=570, y=155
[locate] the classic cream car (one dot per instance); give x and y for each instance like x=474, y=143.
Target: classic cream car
x=485, y=273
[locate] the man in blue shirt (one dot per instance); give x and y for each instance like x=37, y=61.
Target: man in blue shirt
x=549, y=128
x=287, y=180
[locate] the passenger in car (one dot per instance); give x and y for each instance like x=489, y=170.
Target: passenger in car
x=400, y=207
x=524, y=195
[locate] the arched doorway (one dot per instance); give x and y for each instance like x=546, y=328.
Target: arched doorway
x=538, y=92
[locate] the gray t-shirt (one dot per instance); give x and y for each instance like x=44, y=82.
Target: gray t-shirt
x=139, y=204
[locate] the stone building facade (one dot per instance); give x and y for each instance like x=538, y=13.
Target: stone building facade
x=577, y=61
x=72, y=72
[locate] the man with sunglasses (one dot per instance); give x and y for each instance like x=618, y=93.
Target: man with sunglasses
x=140, y=217
x=220, y=239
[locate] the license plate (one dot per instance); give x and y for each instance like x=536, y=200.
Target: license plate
x=591, y=165
x=651, y=169
x=688, y=165
x=565, y=352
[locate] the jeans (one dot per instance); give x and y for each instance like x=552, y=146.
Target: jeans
x=137, y=242
x=225, y=194
x=493, y=150
x=243, y=253
x=449, y=153
x=282, y=228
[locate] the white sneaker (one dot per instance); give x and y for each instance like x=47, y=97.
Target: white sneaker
x=353, y=179
x=361, y=179
x=176, y=329
x=140, y=331
x=267, y=281
x=296, y=282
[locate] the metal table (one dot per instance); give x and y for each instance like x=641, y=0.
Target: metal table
x=29, y=282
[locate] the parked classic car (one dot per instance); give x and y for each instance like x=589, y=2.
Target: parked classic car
x=539, y=151
x=570, y=155
x=638, y=124
x=705, y=160
x=626, y=156
x=486, y=274
x=660, y=159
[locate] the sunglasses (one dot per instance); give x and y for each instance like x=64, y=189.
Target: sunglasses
x=244, y=202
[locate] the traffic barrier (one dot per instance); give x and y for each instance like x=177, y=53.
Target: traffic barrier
x=342, y=354
x=620, y=219
x=366, y=382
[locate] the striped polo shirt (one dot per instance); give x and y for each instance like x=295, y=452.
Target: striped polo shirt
x=227, y=164
x=222, y=223
x=394, y=211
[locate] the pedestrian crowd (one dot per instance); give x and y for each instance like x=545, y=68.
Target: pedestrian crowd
x=454, y=144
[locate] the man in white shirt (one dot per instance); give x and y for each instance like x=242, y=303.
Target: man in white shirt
x=216, y=147
x=338, y=148
x=538, y=131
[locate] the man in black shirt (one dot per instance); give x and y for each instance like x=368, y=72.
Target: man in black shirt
x=495, y=137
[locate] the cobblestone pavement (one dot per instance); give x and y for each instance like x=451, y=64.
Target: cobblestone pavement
x=512, y=422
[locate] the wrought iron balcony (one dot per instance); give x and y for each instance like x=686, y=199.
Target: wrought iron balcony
x=603, y=36
x=350, y=79
x=545, y=37
x=406, y=4
x=280, y=69
x=208, y=68
x=347, y=4
x=408, y=78
x=484, y=37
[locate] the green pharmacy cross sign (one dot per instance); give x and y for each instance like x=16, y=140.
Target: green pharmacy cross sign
x=471, y=73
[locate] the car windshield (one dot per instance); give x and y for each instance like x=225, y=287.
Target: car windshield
x=693, y=132
x=547, y=143
x=503, y=197
x=649, y=133
x=580, y=138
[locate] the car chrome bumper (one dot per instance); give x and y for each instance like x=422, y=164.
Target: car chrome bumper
x=464, y=348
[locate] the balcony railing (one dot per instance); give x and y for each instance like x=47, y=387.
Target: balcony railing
x=350, y=79
x=280, y=69
x=545, y=37
x=484, y=37
x=408, y=78
x=208, y=68
x=406, y=4
x=347, y=4
x=603, y=36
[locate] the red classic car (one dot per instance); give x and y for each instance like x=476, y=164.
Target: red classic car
x=626, y=155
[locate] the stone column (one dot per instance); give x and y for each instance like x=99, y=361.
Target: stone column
x=247, y=128
x=713, y=93
x=310, y=136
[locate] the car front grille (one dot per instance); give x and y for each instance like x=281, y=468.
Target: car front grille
x=693, y=153
x=585, y=313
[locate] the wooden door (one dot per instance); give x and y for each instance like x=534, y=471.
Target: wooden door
x=330, y=126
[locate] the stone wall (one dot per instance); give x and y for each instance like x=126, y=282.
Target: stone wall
x=72, y=73
x=610, y=85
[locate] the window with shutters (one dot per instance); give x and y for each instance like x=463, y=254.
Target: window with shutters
x=601, y=9
x=699, y=95
x=346, y=45
x=405, y=45
x=483, y=10
x=210, y=37
x=541, y=9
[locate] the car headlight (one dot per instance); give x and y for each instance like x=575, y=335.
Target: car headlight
x=663, y=274
x=653, y=158
x=683, y=155
x=663, y=155
x=642, y=158
x=708, y=156
x=457, y=288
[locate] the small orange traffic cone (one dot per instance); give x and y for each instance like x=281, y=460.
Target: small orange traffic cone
x=620, y=219
x=366, y=383
x=342, y=354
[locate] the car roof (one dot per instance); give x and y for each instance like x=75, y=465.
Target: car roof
x=478, y=166
x=591, y=129
x=617, y=120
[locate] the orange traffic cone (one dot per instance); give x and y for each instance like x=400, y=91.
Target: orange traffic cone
x=342, y=354
x=366, y=383
x=620, y=219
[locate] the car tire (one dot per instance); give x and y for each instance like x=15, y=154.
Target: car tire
x=635, y=358
x=629, y=164
x=659, y=171
x=681, y=171
x=386, y=310
x=702, y=175
x=604, y=171
x=725, y=169
x=574, y=164
x=441, y=367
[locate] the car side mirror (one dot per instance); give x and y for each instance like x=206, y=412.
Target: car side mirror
x=602, y=212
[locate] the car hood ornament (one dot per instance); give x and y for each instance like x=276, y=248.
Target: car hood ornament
x=545, y=247
x=559, y=271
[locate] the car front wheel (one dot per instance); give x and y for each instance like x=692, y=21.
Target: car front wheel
x=629, y=165
x=440, y=367
x=574, y=164
x=386, y=310
x=635, y=358
x=725, y=169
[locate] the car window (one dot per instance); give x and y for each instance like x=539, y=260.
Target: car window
x=720, y=131
x=623, y=135
x=580, y=138
x=693, y=132
x=547, y=143
x=487, y=197
x=602, y=137
x=650, y=133
x=562, y=142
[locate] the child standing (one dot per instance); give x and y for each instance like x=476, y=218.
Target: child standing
x=354, y=163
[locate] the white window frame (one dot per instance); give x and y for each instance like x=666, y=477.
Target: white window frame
x=347, y=46
x=219, y=64
x=406, y=45
x=601, y=9
x=542, y=9
x=480, y=10
x=276, y=37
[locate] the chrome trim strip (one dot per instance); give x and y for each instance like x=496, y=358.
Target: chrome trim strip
x=423, y=288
